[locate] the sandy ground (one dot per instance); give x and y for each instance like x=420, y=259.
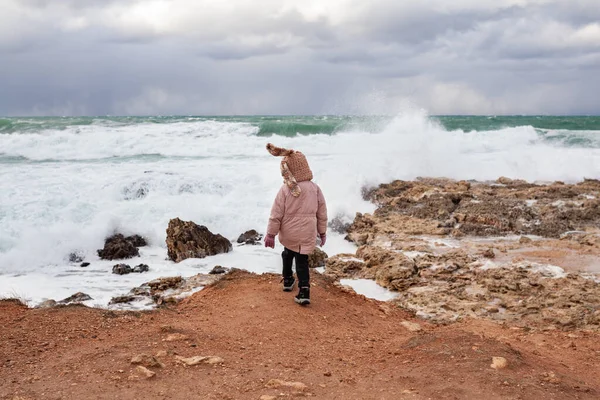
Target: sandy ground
x=343, y=346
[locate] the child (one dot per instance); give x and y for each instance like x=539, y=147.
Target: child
x=298, y=214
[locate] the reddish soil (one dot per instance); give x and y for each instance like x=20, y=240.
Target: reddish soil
x=343, y=346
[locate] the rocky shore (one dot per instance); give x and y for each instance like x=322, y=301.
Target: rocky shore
x=509, y=251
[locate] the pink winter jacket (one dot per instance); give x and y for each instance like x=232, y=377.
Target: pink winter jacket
x=297, y=220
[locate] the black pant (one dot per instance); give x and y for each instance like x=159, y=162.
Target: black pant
x=301, y=266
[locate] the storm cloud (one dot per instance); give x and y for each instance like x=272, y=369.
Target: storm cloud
x=141, y=57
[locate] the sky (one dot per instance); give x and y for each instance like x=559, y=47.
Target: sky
x=230, y=57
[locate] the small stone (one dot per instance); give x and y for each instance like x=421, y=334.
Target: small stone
x=411, y=326
x=267, y=397
x=85, y=264
x=525, y=240
x=122, y=299
x=174, y=337
x=140, y=268
x=47, y=304
x=327, y=373
x=76, y=298
x=162, y=353
x=489, y=253
x=499, y=363
x=275, y=383
x=121, y=269
x=146, y=360
x=317, y=258
x=145, y=371
x=190, y=361
x=250, y=237
x=217, y=270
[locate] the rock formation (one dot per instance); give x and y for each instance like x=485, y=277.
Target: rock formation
x=317, y=258
x=250, y=237
x=185, y=240
x=120, y=247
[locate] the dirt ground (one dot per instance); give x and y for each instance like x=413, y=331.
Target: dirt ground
x=343, y=346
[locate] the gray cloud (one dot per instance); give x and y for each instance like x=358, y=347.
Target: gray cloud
x=65, y=57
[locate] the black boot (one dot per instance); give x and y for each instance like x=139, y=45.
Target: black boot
x=303, y=296
x=288, y=283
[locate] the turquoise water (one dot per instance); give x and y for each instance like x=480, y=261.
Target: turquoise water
x=292, y=125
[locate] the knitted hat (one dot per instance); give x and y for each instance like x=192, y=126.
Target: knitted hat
x=294, y=167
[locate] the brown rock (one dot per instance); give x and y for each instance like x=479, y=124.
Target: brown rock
x=146, y=360
x=175, y=337
x=76, y=298
x=411, y=326
x=190, y=361
x=317, y=258
x=120, y=247
x=145, y=372
x=275, y=383
x=499, y=363
x=344, y=266
x=250, y=237
x=185, y=240
x=525, y=240
x=489, y=253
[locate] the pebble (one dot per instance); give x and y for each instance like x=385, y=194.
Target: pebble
x=200, y=360
x=274, y=383
x=411, y=326
x=145, y=371
x=499, y=363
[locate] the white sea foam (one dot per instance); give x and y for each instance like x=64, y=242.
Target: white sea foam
x=85, y=182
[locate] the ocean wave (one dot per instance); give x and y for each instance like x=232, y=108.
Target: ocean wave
x=66, y=189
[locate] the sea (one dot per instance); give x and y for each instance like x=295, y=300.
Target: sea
x=66, y=183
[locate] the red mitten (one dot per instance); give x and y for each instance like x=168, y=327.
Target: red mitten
x=270, y=241
x=323, y=239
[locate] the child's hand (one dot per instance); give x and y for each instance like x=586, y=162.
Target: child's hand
x=270, y=241
x=323, y=239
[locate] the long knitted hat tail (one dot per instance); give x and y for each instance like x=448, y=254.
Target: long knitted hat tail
x=279, y=151
x=288, y=177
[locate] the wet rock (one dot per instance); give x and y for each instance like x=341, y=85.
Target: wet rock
x=168, y=290
x=217, y=270
x=140, y=268
x=75, y=257
x=119, y=247
x=121, y=269
x=344, y=266
x=185, y=240
x=489, y=253
x=123, y=299
x=162, y=284
x=85, y=264
x=525, y=240
x=76, y=298
x=124, y=269
x=250, y=237
x=499, y=363
x=137, y=240
x=317, y=258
